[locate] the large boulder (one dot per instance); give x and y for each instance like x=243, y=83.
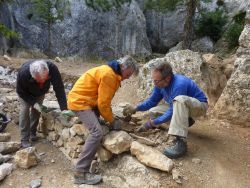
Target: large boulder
x=207, y=74
x=234, y=103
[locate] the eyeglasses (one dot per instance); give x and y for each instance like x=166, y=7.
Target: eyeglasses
x=158, y=81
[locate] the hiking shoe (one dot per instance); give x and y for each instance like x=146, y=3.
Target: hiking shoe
x=25, y=144
x=87, y=178
x=190, y=121
x=102, y=121
x=177, y=149
x=33, y=138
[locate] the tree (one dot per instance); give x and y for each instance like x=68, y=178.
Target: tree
x=163, y=5
x=48, y=12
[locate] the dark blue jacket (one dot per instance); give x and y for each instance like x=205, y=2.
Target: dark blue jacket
x=28, y=89
x=179, y=85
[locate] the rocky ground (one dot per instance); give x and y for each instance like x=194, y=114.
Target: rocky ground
x=218, y=152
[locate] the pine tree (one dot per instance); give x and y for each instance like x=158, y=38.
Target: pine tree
x=48, y=12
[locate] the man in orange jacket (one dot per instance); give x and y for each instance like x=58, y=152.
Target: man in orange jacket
x=90, y=96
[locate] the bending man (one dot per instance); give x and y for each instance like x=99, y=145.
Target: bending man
x=33, y=82
x=90, y=97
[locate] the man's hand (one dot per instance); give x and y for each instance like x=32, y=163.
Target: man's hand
x=145, y=126
x=68, y=113
x=116, y=125
x=40, y=108
x=129, y=110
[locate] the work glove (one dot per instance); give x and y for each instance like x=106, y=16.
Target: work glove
x=129, y=110
x=144, y=127
x=68, y=113
x=116, y=125
x=40, y=108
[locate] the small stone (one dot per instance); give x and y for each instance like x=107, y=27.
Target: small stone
x=35, y=183
x=43, y=153
x=196, y=160
x=53, y=161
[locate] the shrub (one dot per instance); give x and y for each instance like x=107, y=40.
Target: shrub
x=232, y=35
x=233, y=32
x=211, y=24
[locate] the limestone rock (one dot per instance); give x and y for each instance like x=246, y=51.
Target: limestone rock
x=5, y=158
x=27, y=158
x=78, y=129
x=151, y=157
x=117, y=142
x=6, y=58
x=58, y=60
x=103, y=154
x=5, y=169
x=9, y=147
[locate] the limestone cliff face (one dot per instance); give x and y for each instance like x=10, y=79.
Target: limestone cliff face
x=87, y=32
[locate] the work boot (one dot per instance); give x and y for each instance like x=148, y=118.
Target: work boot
x=25, y=144
x=87, y=178
x=177, y=149
x=190, y=121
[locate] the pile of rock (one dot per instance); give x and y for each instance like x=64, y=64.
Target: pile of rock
x=69, y=136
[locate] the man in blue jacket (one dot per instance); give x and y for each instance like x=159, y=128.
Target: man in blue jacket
x=185, y=100
x=33, y=82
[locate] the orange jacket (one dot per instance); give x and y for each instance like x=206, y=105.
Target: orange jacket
x=95, y=88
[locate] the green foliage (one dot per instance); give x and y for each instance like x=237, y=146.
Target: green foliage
x=105, y=5
x=7, y=33
x=233, y=32
x=240, y=18
x=220, y=2
x=162, y=5
x=48, y=11
x=211, y=24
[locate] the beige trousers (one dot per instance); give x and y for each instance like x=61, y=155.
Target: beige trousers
x=183, y=108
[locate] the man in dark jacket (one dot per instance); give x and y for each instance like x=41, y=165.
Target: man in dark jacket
x=185, y=100
x=33, y=82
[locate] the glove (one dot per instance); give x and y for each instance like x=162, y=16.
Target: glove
x=68, y=113
x=144, y=127
x=129, y=110
x=40, y=108
x=116, y=125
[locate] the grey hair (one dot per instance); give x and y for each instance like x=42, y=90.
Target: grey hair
x=129, y=62
x=39, y=67
x=164, y=68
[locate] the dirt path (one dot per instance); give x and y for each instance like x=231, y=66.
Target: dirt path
x=223, y=149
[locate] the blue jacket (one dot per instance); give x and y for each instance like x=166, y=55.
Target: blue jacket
x=179, y=85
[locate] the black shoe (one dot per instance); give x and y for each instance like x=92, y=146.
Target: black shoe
x=177, y=149
x=190, y=121
x=25, y=144
x=87, y=178
x=102, y=121
x=33, y=138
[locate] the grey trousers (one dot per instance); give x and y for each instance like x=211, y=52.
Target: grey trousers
x=90, y=120
x=28, y=119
